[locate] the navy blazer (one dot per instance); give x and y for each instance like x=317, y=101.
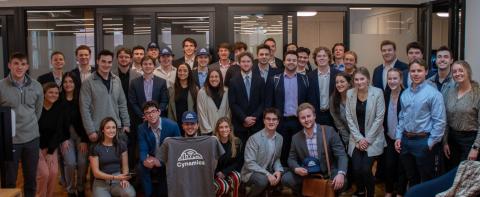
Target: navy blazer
x=241, y=106
x=377, y=79
x=271, y=71
x=146, y=138
x=314, y=89
x=275, y=91
x=387, y=94
x=136, y=95
x=278, y=62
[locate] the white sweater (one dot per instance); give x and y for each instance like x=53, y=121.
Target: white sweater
x=208, y=114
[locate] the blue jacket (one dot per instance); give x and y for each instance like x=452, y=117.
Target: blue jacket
x=377, y=79
x=146, y=138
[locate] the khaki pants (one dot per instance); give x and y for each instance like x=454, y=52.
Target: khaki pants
x=47, y=172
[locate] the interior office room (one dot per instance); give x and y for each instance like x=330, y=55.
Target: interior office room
x=38, y=28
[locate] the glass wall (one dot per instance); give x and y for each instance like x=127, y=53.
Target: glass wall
x=2, y=50
x=172, y=30
x=126, y=31
x=370, y=26
x=58, y=30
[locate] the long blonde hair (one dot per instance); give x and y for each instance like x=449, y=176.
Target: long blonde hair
x=231, y=137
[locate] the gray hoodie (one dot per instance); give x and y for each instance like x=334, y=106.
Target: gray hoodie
x=27, y=102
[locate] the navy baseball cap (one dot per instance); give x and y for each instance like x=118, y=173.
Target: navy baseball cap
x=189, y=117
x=312, y=165
x=152, y=45
x=203, y=51
x=166, y=51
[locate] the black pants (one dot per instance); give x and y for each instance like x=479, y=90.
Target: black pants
x=287, y=128
x=460, y=143
x=394, y=173
x=28, y=154
x=362, y=169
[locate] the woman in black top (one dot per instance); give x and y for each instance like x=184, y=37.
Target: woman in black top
x=227, y=176
x=183, y=94
x=109, y=163
x=50, y=126
x=74, y=149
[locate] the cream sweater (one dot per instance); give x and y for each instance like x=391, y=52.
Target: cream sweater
x=208, y=114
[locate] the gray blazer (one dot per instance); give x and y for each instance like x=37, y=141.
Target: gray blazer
x=373, y=121
x=337, y=155
x=255, y=156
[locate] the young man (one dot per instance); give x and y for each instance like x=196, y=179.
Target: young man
x=304, y=66
x=246, y=99
x=388, y=49
x=338, y=50
x=262, y=167
x=102, y=96
x=190, y=161
x=138, y=52
x=84, y=69
x=124, y=70
x=25, y=97
x=151, y=135
x=285, y=91
x=274, y=61
x=322, y=84
x=414, y=52
x=261, y=65
x=166, y=70
x=443, y=78
x=201, y=71
x=153, y=50
x=309, y=144
x=58, y=62
x=239, y=48
x=147, y=88
x=224, y=62
x=189, y=47
x=421, y=125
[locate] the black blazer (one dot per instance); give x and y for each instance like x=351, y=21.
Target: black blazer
x=271, y=71
x=275, y=91
x=241, y=106
x=233, y=71
x=387, y=95
x=377, y=79
x=45, y=78
x=76, y=73
x=136, y=95
x=278, y=62
x=314, y=89
x=181, y=60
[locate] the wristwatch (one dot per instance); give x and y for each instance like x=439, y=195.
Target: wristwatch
x=342, y=172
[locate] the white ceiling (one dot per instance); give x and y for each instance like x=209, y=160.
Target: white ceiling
x=23, y=3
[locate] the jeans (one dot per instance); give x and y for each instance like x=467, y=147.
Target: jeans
x=74, y=162
x=106, y=188
x=417, y=159
x=145, y=175
x=28, y=153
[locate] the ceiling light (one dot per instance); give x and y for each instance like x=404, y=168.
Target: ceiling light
x=59, y=19
x=443, y=14
x=74, y=25
x=40, y=29
x=306, y=13
x=49, y=11
x=360, y=8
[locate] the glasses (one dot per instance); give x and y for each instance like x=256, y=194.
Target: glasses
x=150, y=112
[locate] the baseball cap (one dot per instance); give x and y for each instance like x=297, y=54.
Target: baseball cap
x=312, y=165
x=189, y=117
x=166, y=51
x=203, y=51
x=152, y=45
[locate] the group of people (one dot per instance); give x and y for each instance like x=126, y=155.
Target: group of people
x=258, y=123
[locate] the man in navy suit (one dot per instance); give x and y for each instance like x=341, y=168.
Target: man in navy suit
x=388, y=49
x=322, y=84
x=246, y=99
x=151, y=134
x=285, y=91
x=146, y=88
x=262, y=65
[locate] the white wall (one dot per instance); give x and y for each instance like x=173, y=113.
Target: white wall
x=472, y=40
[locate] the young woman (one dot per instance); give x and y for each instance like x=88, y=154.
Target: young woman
x=74, y=149
x=350, y=61
x=51, y=124
x=343, y=83
x=462, y=138
x=183, y=94
x=227, y=173
x=212, y=102
x=109, y=163
x=365, y=110
x=395, y=175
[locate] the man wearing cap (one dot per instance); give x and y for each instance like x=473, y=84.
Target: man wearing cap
x=262, y=167
x=166, y=70
x=153, y=51
x=200, y=72
x=189, y=47
x=190, y=124
x=151, y=135
x=307, y=155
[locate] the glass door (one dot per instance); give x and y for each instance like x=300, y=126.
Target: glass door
x=3, y=47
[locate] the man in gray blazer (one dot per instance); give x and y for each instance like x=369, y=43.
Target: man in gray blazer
x=262, y=167
x=309, y=144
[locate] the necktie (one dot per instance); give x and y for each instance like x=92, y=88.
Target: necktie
x=247, y=86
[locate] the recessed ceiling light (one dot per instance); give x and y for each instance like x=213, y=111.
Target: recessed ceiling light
x=443, y=14
x=360, y=8
x=306, y=13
